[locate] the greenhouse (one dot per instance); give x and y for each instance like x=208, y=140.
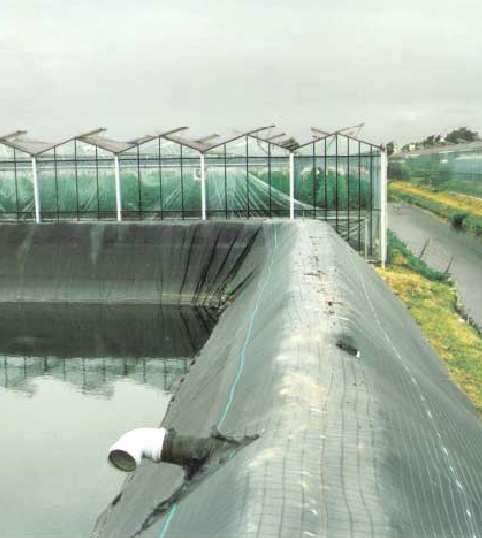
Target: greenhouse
x=257, y=173
x=456, y=168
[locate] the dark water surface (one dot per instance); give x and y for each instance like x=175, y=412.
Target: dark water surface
x=72, y=379
x=444, y=248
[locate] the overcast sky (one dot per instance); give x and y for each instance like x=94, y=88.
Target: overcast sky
x=408, y=68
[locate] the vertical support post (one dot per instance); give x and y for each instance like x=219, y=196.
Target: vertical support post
x=247, y=173
x=97, y=180
x=292, y=184
x=118, y=206
x=182, y=182
x=36, y=193
x=225, y=183
x=269, y=182
x=160, y=176
x=383, y=206
x=336, y=182
x=365, y=239
x=16, y=183
x=203, y=186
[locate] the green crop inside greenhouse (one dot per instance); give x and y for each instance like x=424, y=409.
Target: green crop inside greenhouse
x=258, y=173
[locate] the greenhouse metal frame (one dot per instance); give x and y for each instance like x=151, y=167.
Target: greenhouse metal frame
x=256, y=173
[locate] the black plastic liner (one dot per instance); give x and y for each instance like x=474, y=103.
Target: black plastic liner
x=361, y=431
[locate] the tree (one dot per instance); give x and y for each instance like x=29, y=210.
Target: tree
x=390, y=148
x=429, y=141
x=462, y=134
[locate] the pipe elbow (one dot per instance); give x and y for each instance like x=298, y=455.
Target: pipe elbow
x=127, y=453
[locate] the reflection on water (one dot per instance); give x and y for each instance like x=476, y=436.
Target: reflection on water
x=93, y=330
x=90, y=376
x=54, y=476
x=64, y=403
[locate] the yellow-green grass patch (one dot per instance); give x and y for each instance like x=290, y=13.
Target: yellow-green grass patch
x=432, y=301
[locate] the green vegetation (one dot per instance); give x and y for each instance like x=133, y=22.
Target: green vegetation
x=457, y=136
x=399, y=253
x=462, y=134
x=461, y=210
x=323, y=191
x=432, y=301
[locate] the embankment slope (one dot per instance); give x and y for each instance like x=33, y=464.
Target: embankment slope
x=361, y=431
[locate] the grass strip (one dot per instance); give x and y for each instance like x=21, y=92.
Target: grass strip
x=431, y=299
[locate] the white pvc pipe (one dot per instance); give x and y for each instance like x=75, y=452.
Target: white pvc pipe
x=203, y=186
x=292, y=184
x=383, y=207
x=127, y=453
x=118, y=202
x=36, y=193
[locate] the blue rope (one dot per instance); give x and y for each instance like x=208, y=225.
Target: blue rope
x=167, y=520
x=173, y=508
x=247, y=341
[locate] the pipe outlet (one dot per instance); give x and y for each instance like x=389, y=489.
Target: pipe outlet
x=127, y=453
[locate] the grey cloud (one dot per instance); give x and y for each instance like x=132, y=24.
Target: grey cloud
x=407, y=69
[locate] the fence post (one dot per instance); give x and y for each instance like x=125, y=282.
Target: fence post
x=203, y=186
x=383, y=206
x=292, y=184
x=118, y=201
x=36, y=192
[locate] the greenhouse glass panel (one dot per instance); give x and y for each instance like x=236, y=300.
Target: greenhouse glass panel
x=189, y=153
x=8, y=183
x=105, y=192
x=24, y=178
x=149, y=150
x=170, y=149
x=277, y=151
x=376, y=180
x=354, y=217
x=237, y=189
x=48, y=185
x=342, y=186
x=280, y=181
x=191, y=174
x=67, y=186
x=87, y=180
x=6, y=153
x=149, y=170
x=305, y=151
x=216, y=183
x=256, y=147
x=342, y=145
x=331, y=145
x=238, y=178
x=259, y=187
x=305, y=180
x=131, y=187
x=237, y=147
x=171, y=179
x=319, y=183
x=330, y=179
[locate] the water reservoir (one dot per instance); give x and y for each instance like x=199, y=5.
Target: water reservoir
x=72, y=378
